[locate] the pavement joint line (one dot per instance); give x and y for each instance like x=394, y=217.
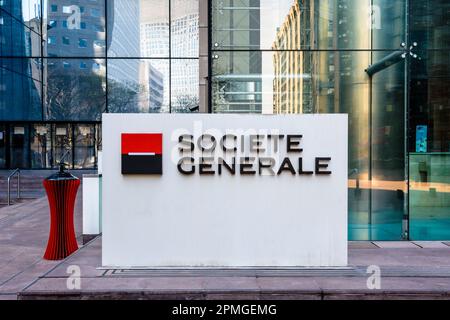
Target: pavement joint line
x=21, y=272
x=373, y=242
x=57, y=265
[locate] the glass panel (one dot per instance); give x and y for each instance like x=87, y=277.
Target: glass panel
x=184, y=28
x=429, y=199
x=41, y=155
x=75, y=89
x=387, y=27
x=138, y=85
x=20, y=89
x=68, y=21
x=19, y=143
x=85, y=150
x=185, y=85
x=388, y=150
x=429, y=100
x=237, y=82
x=138, y=28
x=23, y=10
x=3, y=146
x=307, y=24
x=62, y=144
x=290, y=82
x=19, y=38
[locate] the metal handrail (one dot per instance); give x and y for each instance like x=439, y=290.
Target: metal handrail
x=16, y=171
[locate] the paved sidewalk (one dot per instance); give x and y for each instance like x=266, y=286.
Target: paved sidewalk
x=414, y=272
x=408, y=270
x=24, y=230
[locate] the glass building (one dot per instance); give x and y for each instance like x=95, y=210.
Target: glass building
x=65, y=62
x=384, y=62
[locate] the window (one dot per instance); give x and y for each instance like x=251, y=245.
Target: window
x=83, y=25
x=82, y=43
x=83, y=65
x=51, y=40
x=66, y=40
x=66, y=65
x=99, y=43
x=53, y=23
x=67, y=9
x=95, y=66
x=95, y=13
x=64, y=24
x=54, y=8
x=98, y=28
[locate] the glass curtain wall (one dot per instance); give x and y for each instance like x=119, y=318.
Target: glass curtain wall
x=152, y=56
x=65, y=62
x=429, y=120
x=360, y=57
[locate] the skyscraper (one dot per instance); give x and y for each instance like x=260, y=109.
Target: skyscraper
x=20, y=94
x=292, y=89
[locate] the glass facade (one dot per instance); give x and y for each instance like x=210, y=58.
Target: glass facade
x=384, y=62
x=65, y=62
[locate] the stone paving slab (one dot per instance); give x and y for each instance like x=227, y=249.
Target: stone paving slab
x=24, y=230
x=431, y=244
x=395, y=244
x=102, y=285
x=410, y=257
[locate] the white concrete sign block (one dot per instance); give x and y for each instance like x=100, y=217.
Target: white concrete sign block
x=266, y=190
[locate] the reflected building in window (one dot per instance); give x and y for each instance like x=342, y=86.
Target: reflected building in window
x=237, y=82
x=292, y=89
x=184, y=44
x=155, y=35
x=20, y=76
x=155, y=89
x=125, y=83
x=155, y=29
x=74, y=71
x=76, y=28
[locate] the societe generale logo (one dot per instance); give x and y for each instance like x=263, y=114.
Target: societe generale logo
x=141, y=153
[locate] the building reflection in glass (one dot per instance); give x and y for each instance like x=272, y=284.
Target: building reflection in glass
x=310, y=56
x=20, y=70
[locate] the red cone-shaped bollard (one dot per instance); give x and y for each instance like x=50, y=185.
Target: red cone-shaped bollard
x=61, y=191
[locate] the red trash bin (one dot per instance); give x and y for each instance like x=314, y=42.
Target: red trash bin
x=61, y=191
